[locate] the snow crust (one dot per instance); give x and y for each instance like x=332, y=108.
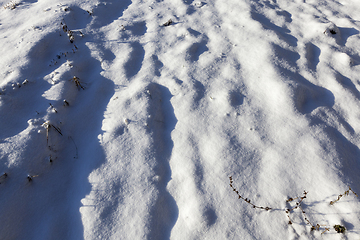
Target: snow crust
x=125, y=119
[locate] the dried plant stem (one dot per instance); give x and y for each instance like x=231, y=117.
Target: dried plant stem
x=47, y=126
x=346, y=193
x=297, y=206
x=326, y=229
x=306, y=219
x=246, y=199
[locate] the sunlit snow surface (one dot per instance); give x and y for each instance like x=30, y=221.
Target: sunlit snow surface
x=117, y=123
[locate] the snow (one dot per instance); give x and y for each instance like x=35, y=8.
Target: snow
x=125, y=119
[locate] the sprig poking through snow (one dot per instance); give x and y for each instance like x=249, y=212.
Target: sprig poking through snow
x=47, y=126
x=77, y=82
x=298, y=205
x=346, y=193
x=338, y=228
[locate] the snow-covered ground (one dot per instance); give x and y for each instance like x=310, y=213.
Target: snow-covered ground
x=125, y=119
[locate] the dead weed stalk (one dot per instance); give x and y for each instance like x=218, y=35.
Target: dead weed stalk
x=298, y=201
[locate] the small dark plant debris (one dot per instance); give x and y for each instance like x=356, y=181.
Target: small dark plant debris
x=70, y=33
x=339, y=228
x=30, y=177
x=346, y=193
x=64, y=26
x=316, y=227
x=297, y=205
x=71, y=36
x=14, y=85
x=168, y=23
x=53, y=108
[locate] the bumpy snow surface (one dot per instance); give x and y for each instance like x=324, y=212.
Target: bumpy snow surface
x=125, y=119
